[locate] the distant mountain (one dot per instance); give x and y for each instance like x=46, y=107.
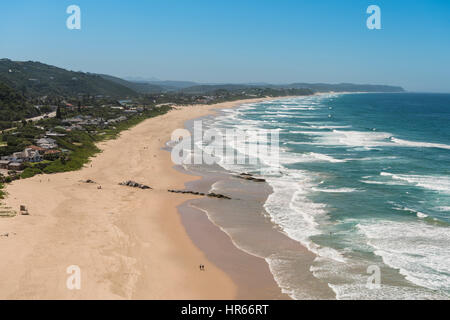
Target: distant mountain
x=173, y=85
x=165, y=85
x=344, y=87
x=37, y=79
x=33, y=79
x=141, y=79
x=140, y=87
x=209, y=88
x=316, y=87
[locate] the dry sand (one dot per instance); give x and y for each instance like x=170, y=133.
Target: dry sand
x=129, y=243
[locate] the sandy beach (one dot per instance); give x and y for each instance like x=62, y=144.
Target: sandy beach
x=129, y=243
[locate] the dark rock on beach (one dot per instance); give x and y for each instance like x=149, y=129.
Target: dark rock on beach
x=211, y=195
x=249, y=177
x=134, y=184
x=219, y=196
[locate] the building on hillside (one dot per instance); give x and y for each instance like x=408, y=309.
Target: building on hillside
x=46, y=143
x=52, y=154
x=16, y=166
x=38, y=149
x=55, y=134
x=4, y=164
x=28, y=155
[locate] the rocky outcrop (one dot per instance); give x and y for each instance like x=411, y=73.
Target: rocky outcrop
x=249, y=177
x=211, y=195
x=134, y=184
x=187, y=192
x=219, y=196
x=89, y=181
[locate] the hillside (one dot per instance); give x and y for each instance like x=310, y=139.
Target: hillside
x=13, y=106
x=140, y=87
x=315, y=87
x=205, y=89
x=173, y=85
x=33, y=79
x=345, y=87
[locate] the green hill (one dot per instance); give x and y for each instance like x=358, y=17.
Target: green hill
x=34, y=79
x=345, y=87
x=13, y=106
x=140, y=87
x=315, y=87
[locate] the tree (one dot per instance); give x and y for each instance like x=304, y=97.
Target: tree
x=58, y=113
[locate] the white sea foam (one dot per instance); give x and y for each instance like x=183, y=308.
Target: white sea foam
x=281, y=268
x=419, y=251
x=431, y=182
x=419, y=214
x=311, y=157
x=417, y=144
x=337, y=190
x=365, y=139
x=300, y=218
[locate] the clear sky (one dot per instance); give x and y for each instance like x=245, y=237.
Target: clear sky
x=276, y=41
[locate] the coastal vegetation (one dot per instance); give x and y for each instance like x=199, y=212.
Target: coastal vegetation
x=73, y=148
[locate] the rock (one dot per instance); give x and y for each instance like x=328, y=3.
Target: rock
x=211, y=195
x=89, y=181
x=249, y=177
x=246, y=175
x=134, y=184
x=218, y=196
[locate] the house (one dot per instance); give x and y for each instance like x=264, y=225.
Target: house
x=4, y=164
x=119, y=119
x=55, y=134
x=75, y=127
x=28, y=155
x=38, y=149
x=16, y=166
x=52, y=154
x=76, y=119
x=47, y=143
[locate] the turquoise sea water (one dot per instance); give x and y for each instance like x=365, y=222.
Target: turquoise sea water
x=364, y=181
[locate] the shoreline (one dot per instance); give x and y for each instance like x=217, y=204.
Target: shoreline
x=129, y=244
x=257, y=227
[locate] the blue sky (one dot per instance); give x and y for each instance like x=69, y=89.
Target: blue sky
x=238, y=40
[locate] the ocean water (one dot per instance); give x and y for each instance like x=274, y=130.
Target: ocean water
x=363, y=181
